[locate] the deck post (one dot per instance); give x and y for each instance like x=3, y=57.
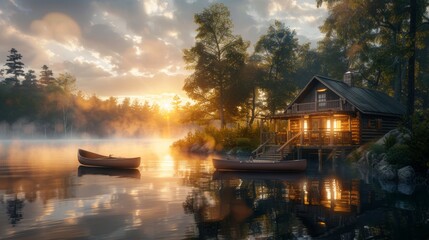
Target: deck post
x=331, y=131
x=319, y=153
x=334, y=157
x=298, y=151
x=343, y=154
x=301, y=138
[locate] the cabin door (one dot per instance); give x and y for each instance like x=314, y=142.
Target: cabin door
x=319, y=130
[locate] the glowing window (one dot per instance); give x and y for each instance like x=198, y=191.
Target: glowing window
x=321, y=99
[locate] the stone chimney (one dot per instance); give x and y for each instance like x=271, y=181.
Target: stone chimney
x=348, y=78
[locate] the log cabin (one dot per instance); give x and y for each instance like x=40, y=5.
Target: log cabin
x=329, y=116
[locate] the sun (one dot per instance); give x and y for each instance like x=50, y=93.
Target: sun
x=166, y=107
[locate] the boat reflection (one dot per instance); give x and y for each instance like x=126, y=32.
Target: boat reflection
x=122, y=173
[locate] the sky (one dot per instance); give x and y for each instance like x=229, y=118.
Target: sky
x=133, y=48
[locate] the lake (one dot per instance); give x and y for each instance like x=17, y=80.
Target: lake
x=45, y=194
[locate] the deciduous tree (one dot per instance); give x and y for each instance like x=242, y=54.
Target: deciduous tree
x=276, y=51
x=216, y=59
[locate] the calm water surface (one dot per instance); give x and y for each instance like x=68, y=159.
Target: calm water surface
x=45, y=194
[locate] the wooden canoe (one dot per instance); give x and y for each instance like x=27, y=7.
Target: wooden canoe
x=260, y=165
x=94, y=159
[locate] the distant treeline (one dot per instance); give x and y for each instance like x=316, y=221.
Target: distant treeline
x=48, y=106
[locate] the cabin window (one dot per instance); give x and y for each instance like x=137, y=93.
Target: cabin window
x=374, y=123
x=336, y=125
x=321, y=99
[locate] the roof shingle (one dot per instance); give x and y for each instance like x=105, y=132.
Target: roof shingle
x=365, y=100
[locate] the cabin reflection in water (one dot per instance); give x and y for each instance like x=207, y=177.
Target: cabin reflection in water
x=236, y=208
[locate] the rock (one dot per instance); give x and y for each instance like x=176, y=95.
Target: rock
x=406, y=189
x=400, y=137
x=362, y=162
x=393, y=132
x=368, y=156
x=381, y=163
x=406, y=175
x=405, y=205
x=387, y=185
x=386, y=171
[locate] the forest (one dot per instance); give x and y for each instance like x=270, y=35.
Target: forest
x=384, y=44
x=51, y=107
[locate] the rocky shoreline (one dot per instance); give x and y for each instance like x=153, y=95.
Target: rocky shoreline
x=376, y=164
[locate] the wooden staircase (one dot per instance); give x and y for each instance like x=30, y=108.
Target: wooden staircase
x=274, y=152
x=270, y=153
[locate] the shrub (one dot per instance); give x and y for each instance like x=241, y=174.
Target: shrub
x=419, y=141
x=399, y=155
x=389, y=142
x=218, y=139
x=376, y=148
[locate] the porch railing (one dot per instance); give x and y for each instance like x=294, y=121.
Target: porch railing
x=313, y=138
x=338, y=105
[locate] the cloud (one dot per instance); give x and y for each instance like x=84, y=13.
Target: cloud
x=57, y=26
x=82, y=70
x=105, y=40
x=33, y=53
x=117, y=46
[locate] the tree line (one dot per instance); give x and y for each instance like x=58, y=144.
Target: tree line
x=49, y=106
x=384, y=44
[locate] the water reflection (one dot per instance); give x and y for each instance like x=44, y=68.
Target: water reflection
x=123, y=173
x=182, y=197
x=237, y=205
x=14, y=209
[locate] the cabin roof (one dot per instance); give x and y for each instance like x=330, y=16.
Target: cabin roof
x=365, y=100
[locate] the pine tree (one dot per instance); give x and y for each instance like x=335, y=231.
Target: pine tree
x=14, y=68
x=46, y=76
x=30, y=79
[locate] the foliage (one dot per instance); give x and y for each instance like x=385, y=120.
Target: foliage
x=277, y=53
x=419, y=141
x=14, y=68
x=217, y=60
x=52, y=108
x=375, y=40
x=399, y=155
x=376, y=148
x=212, y=139
x=389, y=142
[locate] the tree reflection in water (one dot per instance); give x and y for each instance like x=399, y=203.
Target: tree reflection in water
x=14, y=210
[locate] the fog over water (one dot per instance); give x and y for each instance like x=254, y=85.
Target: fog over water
x=62, y=200
x=46, y=194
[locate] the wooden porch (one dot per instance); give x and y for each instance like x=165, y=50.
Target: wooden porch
x=288, y=136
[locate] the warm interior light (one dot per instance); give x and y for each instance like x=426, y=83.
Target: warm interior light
x=337, y=124
x=305, y=125
x=328, y=124
x=321, y=90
